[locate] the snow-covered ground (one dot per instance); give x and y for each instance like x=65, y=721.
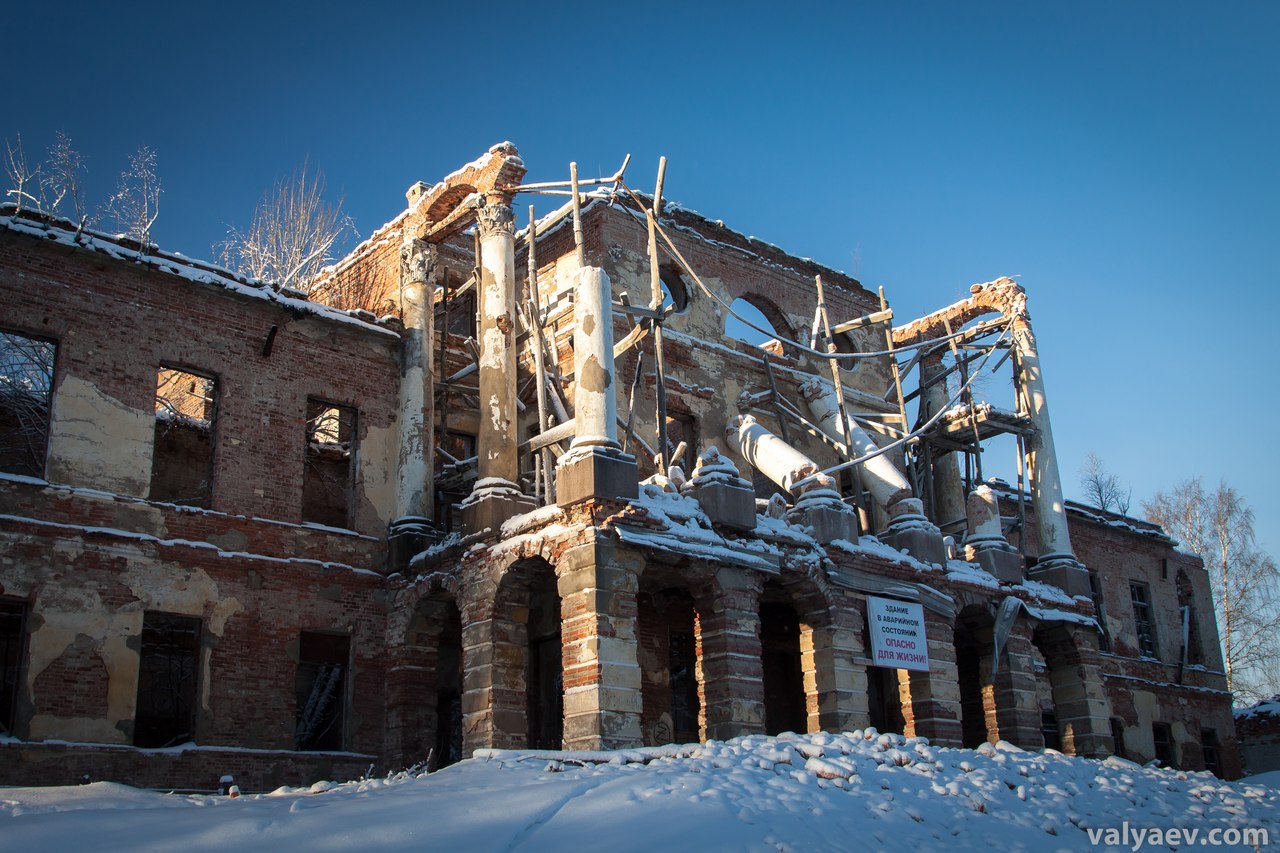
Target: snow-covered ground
x=855, y=791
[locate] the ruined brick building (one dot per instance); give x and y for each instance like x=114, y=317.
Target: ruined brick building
x=494, y=488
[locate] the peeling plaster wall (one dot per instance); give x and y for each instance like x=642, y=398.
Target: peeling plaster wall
x=97, y=441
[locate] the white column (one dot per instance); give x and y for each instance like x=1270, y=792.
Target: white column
x=496, y=439
x=1041, y=458
x=595, y=399
x=414, y=498
x=770, y=455
x=885, y=482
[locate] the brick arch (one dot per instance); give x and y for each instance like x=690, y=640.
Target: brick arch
x=973, y=629
x=674, y=600
x=1070, y=653
x=528, y=695
x=801, y=644
x=448, y=200
x=424, y=675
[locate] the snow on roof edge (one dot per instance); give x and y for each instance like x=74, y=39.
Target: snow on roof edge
x=67, y=233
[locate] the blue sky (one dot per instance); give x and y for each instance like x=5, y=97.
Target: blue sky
x=1119, y=158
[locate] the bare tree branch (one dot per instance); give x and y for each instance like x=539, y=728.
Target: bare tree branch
x=294, y=234
x=136, y=202
x=24, y=179
x=62, y=180
x=1103, y=488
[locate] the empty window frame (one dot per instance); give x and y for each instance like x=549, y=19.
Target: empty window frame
x=682, y=429
x=169, y=662
x=1162, y=736
x=12, y=621
x=1117, y=737
x=26, y=390
x=1140, y=594
x=328, y=474
x=320, y=688
x=182, y=464
x=1209, y=744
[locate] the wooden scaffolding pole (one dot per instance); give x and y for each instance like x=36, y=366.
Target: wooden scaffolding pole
x=655, y=303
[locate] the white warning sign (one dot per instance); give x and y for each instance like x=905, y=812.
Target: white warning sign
x=897, y=634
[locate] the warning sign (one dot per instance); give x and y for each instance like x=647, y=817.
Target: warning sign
x=897, y=634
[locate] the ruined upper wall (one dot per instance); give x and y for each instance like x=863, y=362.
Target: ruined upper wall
x=706, y=369
x=118, y=316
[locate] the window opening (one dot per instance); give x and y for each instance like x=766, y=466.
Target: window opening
x=683, y=428
x=320, y=690
x=735, y=328
x=1192, y=648
x=26, y=388
x=1049, y=728
x=1117, y=735
x=1163, y=737
x=1209, y=744
x=675, y=293
x=327, y=481
x=545, y=685
x=683, y=681
x=1095, y=589
x=12, y=620
x=462, y=315
x=182, y=464
x=167, y=671
x=449, y=689
x=1141, y=597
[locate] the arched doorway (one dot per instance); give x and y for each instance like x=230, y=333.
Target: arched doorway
x=974, y=629
x=669, y=652
x=528, y=670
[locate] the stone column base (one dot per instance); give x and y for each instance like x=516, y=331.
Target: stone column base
x=911, y=531
x=596, y=472
x=726, y=504
x=1004, y=564
x=487, y=509
x=1063, y=571
x=406, y=537
x=830, y=517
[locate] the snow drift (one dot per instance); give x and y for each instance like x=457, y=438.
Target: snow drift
x=857, y=790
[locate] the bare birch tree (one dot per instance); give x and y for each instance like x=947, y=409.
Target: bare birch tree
x=1218, y=526
x=1103, y=488
x=136, y=202
x=294, y=234
x=23, y=178
x=62, y=181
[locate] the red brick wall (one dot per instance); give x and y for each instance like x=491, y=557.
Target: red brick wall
x=117, y=322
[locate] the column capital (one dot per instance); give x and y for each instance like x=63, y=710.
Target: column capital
x=496, y=219
x=419, y=260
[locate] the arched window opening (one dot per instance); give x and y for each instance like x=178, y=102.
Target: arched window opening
x=675, y=292
x=758, y=314
x=1192, y=648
